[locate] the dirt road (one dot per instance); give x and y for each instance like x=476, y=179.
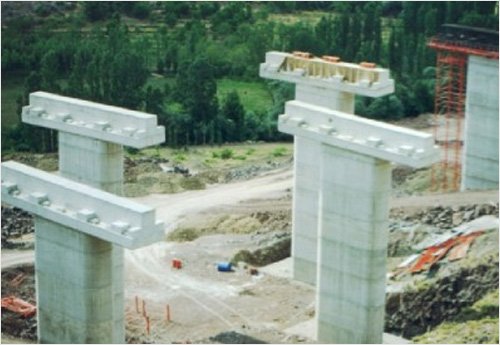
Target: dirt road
x=205, y=302
x=216, y=297
x=172, y=207
x=16, y=257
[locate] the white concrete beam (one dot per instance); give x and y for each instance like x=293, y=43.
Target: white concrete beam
x=93, y=120
x=338, y=76
x=80, y=207
x=373, y=138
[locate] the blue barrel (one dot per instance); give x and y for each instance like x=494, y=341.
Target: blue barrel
x=224, y=267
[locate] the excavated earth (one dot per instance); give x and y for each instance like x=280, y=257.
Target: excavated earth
x=436, y=297
x=254, y=234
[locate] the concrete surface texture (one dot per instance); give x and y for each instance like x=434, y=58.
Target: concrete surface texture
x=306, y=183
x=95, y=162
x=75, y=205
x=480, y=155
x=93, y=120
x=79, y=284
x=80, y=276
x=342, y=186
x=369, y=137
x=354, y=211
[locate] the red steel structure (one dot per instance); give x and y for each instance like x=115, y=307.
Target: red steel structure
x=453, y=48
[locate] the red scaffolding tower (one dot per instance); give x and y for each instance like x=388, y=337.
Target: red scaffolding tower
x=453, y=48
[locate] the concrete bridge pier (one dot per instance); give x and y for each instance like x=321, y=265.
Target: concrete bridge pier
x=79, y=284
x=325, y=85
x=354, y=199
x=306, y=184
x=344, y=161
x=79, y=276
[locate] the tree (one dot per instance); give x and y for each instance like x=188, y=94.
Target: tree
x=233, y=110
x=98, y=10
x=325, y=35
x=431, y=22
x=230, y=16
x=196, y=91
x=387, y=107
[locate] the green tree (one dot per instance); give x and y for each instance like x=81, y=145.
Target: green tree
x=387, y=107
x=196, y=91
x=233, y=111
x=98, y=10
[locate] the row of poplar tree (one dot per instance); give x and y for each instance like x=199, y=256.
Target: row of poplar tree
x=193, y=44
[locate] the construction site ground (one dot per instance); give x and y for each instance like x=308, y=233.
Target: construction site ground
x=251, y=210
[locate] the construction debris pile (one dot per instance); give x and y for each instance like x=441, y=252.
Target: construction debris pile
x=446, y=271
x=447, y=217
x=15, y=224
x=18, y=302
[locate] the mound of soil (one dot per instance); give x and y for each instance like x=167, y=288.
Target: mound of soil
x=234, y=338
x=415, y=311
x=256, y=222
x=278, y=250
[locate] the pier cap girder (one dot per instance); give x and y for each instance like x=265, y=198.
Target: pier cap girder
x=93, y=120
x=327, y=72
x=373, y=138
x=92, y=211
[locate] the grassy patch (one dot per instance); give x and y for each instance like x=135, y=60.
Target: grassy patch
x=206, y=165
x=199, y=158
x=484, y=331
x=183, y=235
x=254, y=95
x=158, y=82
x=280, y=151
x=309, y=17
x=477, y=324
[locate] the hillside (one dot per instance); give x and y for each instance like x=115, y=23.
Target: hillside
x=178, y=57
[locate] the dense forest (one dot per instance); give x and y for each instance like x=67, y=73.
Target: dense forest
x=109, y=51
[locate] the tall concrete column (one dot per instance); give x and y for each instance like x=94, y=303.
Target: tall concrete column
x=354, y=195
x=81, y=268
x=480, y=155
x=326, y=85
x=306, y=184
x=349, y=156
x=91, y=161
x=79, y=284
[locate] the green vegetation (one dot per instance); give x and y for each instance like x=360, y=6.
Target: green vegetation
x=279, y=151
x=199, y=158
x=477, y=324
x=12, y=89
x=254, y=95
x=195, y=64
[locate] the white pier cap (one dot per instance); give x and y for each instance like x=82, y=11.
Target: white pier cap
x=95, y=212
x=327, y=74
x=93, y=120
x=365, y=136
